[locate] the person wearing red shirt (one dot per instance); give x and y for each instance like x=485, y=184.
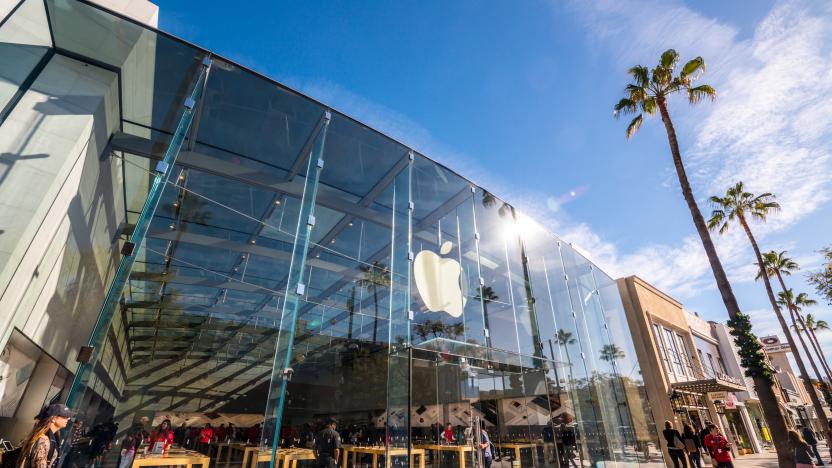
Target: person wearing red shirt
x=206, y=434
x=163, y=434
x=448, y=434
x=719, y=447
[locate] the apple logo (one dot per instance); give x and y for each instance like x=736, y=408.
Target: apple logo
x=437, y=280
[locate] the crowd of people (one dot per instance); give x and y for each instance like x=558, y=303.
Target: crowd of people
x=687, y=448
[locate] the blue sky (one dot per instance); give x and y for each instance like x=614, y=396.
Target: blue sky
x=518, y=97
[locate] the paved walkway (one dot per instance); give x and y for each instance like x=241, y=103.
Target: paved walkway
x=769, y=459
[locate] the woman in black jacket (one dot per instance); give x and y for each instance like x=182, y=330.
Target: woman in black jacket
x=675, y=445
x=692, y=446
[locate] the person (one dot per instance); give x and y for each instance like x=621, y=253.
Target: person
x=327, y=445
x=134, y=438
x=809, y=436
x=253, y=434
x=102, y=437
x=802, y=450
x=448, y=434
x=230, y=433
x=485, y=446
x=718, y=447
x=206, y=434
x=675, y=445
x=568, y=443
x=162, y=436
x=179, y=434
x=703, y=433
x=829, y=439
x=692, y=446
x=41, y=447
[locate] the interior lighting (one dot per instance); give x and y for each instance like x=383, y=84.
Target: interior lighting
x=277, y=202
x=253, y=241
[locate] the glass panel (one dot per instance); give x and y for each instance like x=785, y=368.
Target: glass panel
x=24, y=41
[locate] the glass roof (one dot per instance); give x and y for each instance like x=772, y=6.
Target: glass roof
x=212, y=272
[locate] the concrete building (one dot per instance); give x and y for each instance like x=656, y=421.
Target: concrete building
x=795, y=397
x=691, y=383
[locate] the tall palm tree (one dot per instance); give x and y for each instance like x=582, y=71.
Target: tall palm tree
x=778, y=261
x=611, y=353
x=812, y=325
x=739, y=205
x=565, y=339
x=486, y=294
x=375, y=276
x=786, y=299
x=647, y=94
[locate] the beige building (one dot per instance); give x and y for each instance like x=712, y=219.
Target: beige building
x=690, y=384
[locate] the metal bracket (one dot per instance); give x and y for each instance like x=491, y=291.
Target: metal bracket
x=486, y=332
x=410, y=315
x=411, y=206
x=311, y=220
x=301, y=289
x=320, y=163
x=162, y=167
x=190, y=103
x=327, y=115
x=482, y=281
x=410, y=256
x=473, y=189
x=206, y=61
x=477, y=235
x=410, y=155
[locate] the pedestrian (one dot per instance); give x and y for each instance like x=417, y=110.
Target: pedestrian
x=41, y=447
x=692, y=446
x=328, y=445
x=802, y=450
x=206, y=435
x=675, y=445
x=809, y=436
x=134, y=438
x=719, y=447
x=485, y=446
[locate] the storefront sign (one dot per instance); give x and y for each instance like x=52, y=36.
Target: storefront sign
x=730, y=401
x=772, y=344
x=714, y=396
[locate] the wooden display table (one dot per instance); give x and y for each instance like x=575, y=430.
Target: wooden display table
x=460, y=450
x=380, y=450
x=517, y=448
x=289, y=457
x=231, y=446
x=174, y=457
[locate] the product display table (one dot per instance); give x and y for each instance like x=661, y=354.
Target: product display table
x=231, y=446
x=517, y=448
x=174, y=457
x=289, y=457
x=382, y=451
x=460, y=450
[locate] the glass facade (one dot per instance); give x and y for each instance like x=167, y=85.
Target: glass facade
x=301, y=266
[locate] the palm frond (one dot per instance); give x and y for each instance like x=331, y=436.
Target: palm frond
x=634, y=126
x=624, y=106
x=649, y=106
x=640, y=74
x=669, y=59
x=693, y=66
x=635, y=92
x=717, y=218
x=700, y=92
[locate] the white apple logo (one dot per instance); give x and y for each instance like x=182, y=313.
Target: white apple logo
x=437, y=280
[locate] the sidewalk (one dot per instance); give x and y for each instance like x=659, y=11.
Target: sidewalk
x=769, y=459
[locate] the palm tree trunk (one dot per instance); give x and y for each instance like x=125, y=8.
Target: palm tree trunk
x=375, y=321
x=810, y=389
x=768, y=399
x=818, y=349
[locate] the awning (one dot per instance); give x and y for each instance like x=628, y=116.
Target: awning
x=709, y=385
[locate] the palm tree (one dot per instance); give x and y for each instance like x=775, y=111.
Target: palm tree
x=486, y=294
x=648, y=93
x=611, y=353
x=739, y=205
x=786, y=299
x=812, y=326
x=375, y=276
x=565, y=338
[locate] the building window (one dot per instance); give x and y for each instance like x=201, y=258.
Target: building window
x=673, y=351
x=685, y=352
x=661, y=348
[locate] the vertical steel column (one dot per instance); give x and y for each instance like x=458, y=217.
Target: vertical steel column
x=295, y=288
x=164, y=168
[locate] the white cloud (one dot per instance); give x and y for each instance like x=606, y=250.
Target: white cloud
x=770, y=126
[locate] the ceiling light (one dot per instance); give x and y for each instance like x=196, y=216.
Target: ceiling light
x=277, y=202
